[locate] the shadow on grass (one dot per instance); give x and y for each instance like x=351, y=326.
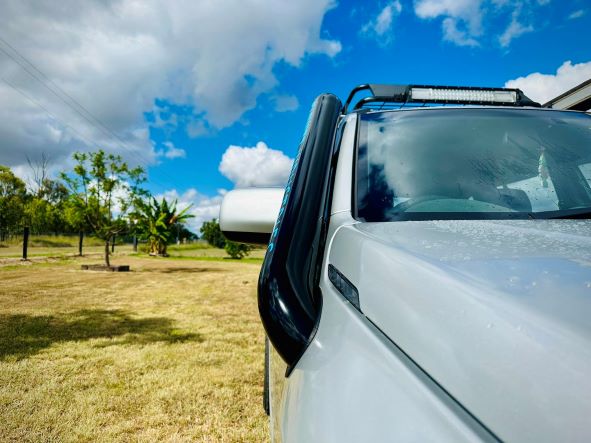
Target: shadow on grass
x=178, y=269
x=24, y=335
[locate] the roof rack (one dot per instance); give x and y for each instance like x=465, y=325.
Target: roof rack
x=388, y=95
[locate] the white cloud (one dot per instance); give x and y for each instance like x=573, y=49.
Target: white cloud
x=381, y=27
x=577, y=14
x=544, y=87
x=514, y=30
x=255, y=166
x=462, y=18
x=197, y=128
x=463, y=21
x=173, y=152
x=115, y=57
x=453, y=33
x=286, y=103
x=203, y=207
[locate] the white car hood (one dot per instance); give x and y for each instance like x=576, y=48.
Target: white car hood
x=497, y=312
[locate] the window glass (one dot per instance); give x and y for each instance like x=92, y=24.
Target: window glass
x=472, y=163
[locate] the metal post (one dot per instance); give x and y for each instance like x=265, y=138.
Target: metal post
x=135, y=243
x=80, y=239
x=25, y=242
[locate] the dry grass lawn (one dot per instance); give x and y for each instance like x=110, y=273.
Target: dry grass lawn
x=172, y=351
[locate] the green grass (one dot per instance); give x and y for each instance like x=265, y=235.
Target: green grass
x=52, y=241
x=67, y=246
x=172, y=351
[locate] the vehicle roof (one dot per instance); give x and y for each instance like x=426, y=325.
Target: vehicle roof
x=439, y=107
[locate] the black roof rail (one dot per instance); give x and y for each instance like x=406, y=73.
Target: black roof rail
x=460, y=95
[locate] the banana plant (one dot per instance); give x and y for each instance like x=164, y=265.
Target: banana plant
x=157, y=221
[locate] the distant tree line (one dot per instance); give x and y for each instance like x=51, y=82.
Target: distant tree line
x=102, y=196
x=46, y=208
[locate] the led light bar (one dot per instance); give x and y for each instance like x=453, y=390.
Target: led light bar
x=463, y=95
x=383, y=96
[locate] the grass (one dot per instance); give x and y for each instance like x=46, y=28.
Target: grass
x=67, y=246
x=200, y=250
x=172, y=351
x=52, y=246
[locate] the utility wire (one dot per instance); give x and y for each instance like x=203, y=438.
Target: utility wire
x=69, y=101
x=64, y=124
x=48, y=112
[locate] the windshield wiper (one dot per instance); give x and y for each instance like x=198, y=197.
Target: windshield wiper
x=582, y=213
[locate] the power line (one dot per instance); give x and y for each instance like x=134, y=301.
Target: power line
x=48, y=112
x=68, y=101
x=64, y=124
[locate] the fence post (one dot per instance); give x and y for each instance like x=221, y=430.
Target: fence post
x=135, y=243
x=80, y=239
x=25, y=242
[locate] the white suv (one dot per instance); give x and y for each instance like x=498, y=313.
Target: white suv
x=428, y=274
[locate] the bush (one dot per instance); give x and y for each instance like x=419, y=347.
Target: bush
x=211, y=232
x=237, y=250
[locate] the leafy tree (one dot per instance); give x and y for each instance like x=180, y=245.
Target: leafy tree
x=158, y=222
x=53, y=191
x=237, y=250
x=45, y=210
x=212, y=233
x=184, y=233
x=13, y=195
x=103, y=189
x=39, y=215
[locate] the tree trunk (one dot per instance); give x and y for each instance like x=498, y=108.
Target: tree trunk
x=107, y=253
x=80, y=239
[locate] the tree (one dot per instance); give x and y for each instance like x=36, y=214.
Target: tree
x=237, y=250
x=38, y=173
x=13, y=194
x=103, y=189
x=45, y=210
x=211, y=232
x=158, y=222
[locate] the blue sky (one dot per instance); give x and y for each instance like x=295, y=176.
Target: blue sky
x=213, y=96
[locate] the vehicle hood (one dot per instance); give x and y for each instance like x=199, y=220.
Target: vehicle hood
x=497, y=312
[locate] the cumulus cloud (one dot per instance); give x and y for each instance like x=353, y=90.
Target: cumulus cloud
x=104, y=63
x=286, y=103
x=197, y=128
x=203, y=207
x=173, y=152
x=514, y=30
x=381, y=27
x=255, y=166
x=544, y=87
x=463, y=20
x=577, y=14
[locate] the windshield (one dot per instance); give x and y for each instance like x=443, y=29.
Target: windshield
x=472, y=163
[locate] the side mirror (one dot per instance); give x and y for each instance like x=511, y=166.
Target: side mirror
x=249, y=215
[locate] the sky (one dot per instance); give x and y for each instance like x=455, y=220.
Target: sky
x=210, y=95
